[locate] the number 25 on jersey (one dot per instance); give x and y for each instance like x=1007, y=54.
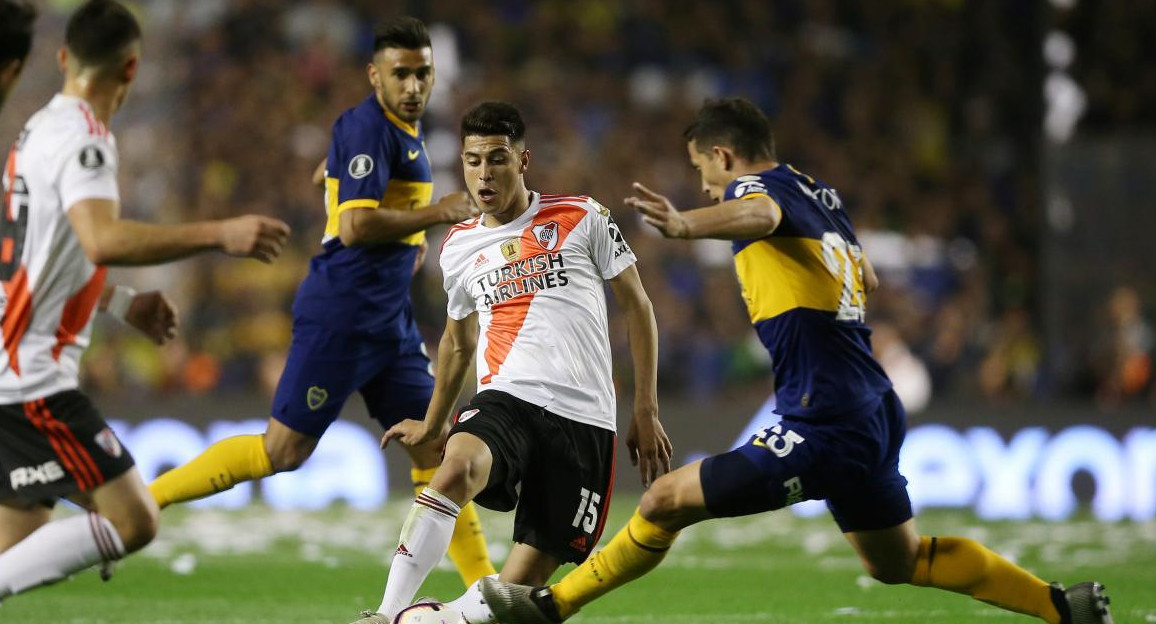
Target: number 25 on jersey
x=845, y=262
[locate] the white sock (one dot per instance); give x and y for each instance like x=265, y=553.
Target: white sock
x=472, y=606
x=425, y=537
x=57, y=550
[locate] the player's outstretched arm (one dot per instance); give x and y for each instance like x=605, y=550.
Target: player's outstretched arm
x=650, y=448
x=109, y=240
x=370, y=226
x=455, y=351
x=746, y=218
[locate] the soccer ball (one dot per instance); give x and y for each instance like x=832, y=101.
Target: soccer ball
x=429, y=613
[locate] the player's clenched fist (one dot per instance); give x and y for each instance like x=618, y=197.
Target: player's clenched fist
x=456, y=207
x=254, y=236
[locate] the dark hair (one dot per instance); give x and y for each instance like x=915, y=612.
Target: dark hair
x=735, y=123
x=493, y=119
x=99, y=31
x=404, y=32
x=15, y=30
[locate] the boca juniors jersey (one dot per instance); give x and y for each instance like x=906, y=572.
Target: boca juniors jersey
x=536, y=284
x=376, y=161
x=803, y=286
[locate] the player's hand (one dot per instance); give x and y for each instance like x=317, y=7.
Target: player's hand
x=649, y=447
x=456, y=207
x=254, y=236
x=421, y=251
x=154, y=315
x=409, y=432
x=657, y=210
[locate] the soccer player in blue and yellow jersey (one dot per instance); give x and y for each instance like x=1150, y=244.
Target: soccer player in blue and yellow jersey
x=804, y=279
x=353, y=326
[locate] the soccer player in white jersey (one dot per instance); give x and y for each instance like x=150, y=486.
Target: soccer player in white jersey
x=59, y=230
x=526, y=285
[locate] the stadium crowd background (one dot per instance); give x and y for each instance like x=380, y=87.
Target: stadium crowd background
x=927, y=116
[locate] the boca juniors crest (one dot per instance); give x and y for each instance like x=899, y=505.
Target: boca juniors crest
x=315, y=397
x=547, y=235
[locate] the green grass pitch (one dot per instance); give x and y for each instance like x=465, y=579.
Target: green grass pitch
x=258, y=566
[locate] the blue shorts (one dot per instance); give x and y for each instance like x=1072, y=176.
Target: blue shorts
x=325, y=367
x=851, y=461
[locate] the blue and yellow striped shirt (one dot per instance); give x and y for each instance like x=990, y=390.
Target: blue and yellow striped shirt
x=376, y=161
x=803, y=286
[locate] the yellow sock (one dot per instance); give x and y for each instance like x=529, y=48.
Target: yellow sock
x=468, y=543
x=220, y=467
x=967, y=567
x=636, y=550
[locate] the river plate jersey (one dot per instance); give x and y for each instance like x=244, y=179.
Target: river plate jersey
x=537, y=286
x=803, y=286
x=50, y=287
x=375, y=159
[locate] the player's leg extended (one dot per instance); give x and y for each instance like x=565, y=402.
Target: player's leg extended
x=123, y=519
x=468, y=544
x=403, y=390
x=673, y=502
x=899, y=555
x=314, y=386
x=234, y=460
x=223, y=465
x=748, y=480
x=425, y=536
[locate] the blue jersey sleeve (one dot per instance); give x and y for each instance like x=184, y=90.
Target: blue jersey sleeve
x=746, y=187
x=749, y=187
x=359, y=160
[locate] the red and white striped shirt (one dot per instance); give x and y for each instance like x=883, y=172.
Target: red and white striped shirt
x=537, y=286
x=50, y=288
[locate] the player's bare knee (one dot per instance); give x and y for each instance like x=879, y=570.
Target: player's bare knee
x=136, y=522
x=459, y=478
x=661, y=503
x=455, y=471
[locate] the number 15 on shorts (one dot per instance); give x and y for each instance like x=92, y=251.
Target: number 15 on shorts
x=587, y=514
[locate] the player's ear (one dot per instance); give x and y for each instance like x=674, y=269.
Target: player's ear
x=374, y=76
x=9, y=72
x=62, y=59
x=727, y=156
x=524, y=161
x=131, y=65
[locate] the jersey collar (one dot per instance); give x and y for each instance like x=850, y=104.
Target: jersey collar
x=411, y=130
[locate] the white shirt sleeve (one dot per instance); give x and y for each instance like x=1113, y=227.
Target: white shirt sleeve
x=88, y=171
x=608, y=249
x=460, y=303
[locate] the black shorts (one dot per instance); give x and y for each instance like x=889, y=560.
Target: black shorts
x=565, y=470
x=57, y=446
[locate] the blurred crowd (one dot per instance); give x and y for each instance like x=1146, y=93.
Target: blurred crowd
x=925, y=116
